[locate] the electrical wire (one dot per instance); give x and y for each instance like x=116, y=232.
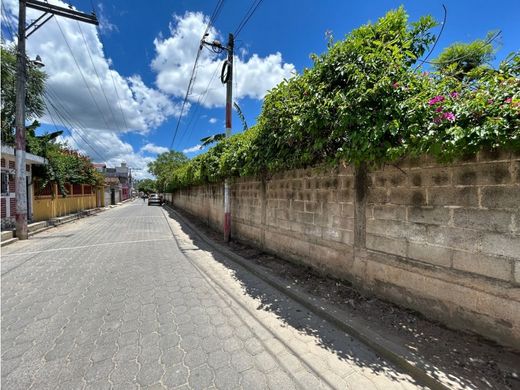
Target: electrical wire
x=67, y=124
x=8, y=23
x=51, y=95
x=250, y=12
x=437, y=40
x=484, y=44
x=212, y=19
x=81, y=73
x=200, y=102
x=96, y=72
x=113, y=80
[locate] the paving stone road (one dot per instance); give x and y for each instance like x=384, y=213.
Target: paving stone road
x=128, y=299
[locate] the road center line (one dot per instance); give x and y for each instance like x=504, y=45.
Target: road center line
x=87, y=246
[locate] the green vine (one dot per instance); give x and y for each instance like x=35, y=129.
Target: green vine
x=363, y=102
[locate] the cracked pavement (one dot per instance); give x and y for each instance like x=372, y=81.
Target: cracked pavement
x=127, y=299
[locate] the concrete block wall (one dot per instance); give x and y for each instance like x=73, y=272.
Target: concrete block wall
x=441, y=239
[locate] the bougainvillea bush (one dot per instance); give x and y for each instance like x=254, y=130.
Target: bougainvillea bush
x=368, y=100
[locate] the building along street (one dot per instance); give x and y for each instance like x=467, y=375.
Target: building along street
x=127, y=299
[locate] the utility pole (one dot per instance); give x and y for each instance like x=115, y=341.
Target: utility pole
x=21, y=73
x=226, y=77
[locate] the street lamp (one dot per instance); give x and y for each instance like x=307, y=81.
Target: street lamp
x=37, y=62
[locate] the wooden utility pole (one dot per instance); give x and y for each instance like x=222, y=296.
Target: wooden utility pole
x=226, y=77
x=229, y=112
x=21, y=73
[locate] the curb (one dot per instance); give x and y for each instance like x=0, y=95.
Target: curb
x=55, y=222
x=415, y=366
x=9, y=241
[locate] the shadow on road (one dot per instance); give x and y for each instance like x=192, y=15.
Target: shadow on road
x=465, y=360
x=292, y=314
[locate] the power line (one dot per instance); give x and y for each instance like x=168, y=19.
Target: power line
x=81, y=73
x=112, y=77
x=247, y=16
x=202, y=99
x=66, y=123
x=73, y=123
x=484, y=44
x=56, y=126
x=212, y=19
x=96, y=72
x=438, y=37
x=10, y=27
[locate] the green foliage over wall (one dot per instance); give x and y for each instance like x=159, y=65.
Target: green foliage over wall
x=364, y=101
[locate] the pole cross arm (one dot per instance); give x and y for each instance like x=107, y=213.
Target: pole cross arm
x=62, y=11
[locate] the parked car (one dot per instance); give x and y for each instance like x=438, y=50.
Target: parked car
x=154, y=199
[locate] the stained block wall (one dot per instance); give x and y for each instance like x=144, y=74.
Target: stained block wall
x=443, y=239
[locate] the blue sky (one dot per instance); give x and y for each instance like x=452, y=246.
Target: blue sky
x=148, y=51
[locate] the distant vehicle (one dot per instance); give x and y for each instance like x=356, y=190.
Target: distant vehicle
x=154, y=199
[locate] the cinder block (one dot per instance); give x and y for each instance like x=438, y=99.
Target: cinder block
x=313, y=231
x=391, y=212
x=501, y=244
x=393, y=246
x=460, y=196
x=399, y=229
x=501, y=197
x=347, y=210
x=332, y=234
x=312, y=207
x=432, y=254
x=436, y=177
x=457, y=238
x=343, y=222
x=407, y=196
x=377, y=195
x=481, y=219
x=482, y=174
x=429, y=215
x=390, y=178
x=297, y=206
x=305, y=218
x=347, y=237
x=481, y=264
x=516, y=264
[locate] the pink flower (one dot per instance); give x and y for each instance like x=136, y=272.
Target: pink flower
x=438, y=109
x=450, y=116
x=490, y=101
x=508, y=100
x=395, y=85
x=435, y=100
x=454, y=94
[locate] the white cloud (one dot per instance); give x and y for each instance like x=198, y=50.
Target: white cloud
x=175, y=56
x=107, y=147
x=154, y=149
x=86, y=95
x=212, y=120
x=83, y=86
x=193, y=149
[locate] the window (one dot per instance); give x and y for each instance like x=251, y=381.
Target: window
x=5, y=183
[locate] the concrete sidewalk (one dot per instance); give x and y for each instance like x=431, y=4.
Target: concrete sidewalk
x=9, y=236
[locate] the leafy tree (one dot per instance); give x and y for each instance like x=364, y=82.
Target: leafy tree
x=34, y=102
x=164, y=165
x=147, y=186
x=65, y=165
x=461, y=59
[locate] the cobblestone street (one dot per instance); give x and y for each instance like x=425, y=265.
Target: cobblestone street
x=126, y=299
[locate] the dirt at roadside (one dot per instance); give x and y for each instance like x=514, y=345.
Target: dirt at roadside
x=475, y=362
